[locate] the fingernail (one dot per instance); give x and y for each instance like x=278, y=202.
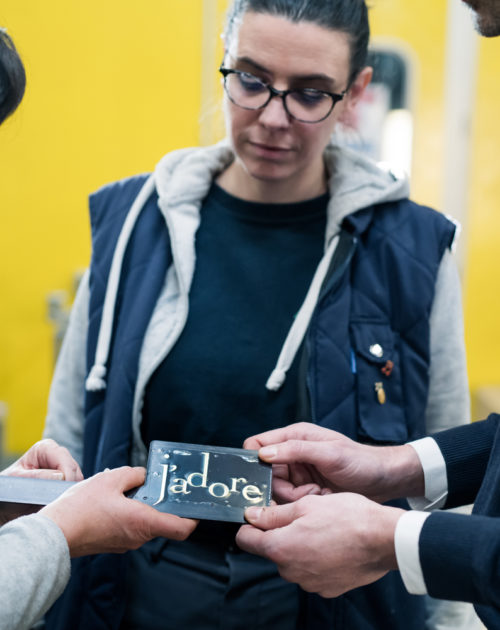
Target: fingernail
x=58, y=475
x=253, y=513
x=268, y=452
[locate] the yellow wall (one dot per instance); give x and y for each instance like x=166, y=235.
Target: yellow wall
x=482, y=286
x=112, y=87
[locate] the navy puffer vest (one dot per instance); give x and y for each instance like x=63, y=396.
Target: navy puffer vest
x=373, y=315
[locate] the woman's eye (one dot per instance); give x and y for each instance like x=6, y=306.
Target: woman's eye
x=250, y=83
x=308, y=97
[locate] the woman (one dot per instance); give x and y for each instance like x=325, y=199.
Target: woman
x=240, y=287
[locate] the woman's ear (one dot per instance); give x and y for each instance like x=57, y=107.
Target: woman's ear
x=356, y=92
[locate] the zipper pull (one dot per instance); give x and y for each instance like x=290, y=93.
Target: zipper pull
x=380, y=391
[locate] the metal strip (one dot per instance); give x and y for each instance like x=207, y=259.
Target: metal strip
x=20, y=496
x=31, y=491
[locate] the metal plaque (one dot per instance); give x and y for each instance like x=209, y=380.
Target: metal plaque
x=204, y=482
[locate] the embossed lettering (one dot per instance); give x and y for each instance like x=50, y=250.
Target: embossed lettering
x=217, y=489
x=225, y=490
x=252, y=490
x=163, y=483
x=203, y=475
x=179, y=486
x=235, y=481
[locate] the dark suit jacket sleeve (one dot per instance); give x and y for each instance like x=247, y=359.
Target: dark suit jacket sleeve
x=466, y=451
x=460, y=555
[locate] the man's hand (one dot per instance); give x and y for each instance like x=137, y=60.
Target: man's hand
x=308, y=459
x=46, y=460
x=96, y=517
x=326, y=544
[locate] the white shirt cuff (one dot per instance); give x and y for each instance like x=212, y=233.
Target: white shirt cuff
x=406, y=539
x=435, y=477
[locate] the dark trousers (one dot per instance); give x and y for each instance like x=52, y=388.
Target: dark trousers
x=198, y=585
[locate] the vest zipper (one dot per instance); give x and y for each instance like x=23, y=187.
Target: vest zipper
x=339, y=265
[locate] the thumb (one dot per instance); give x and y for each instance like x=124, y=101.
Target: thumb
x=168, y=525
x=272, y=517
x=126, y=477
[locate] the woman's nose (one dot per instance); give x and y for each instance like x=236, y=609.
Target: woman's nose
x=274, y=114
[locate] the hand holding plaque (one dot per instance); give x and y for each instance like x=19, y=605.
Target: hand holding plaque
x=189, y=480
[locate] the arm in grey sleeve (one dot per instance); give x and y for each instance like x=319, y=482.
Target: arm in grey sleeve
x=34, y=570
x=65, y=416
x=448, y=402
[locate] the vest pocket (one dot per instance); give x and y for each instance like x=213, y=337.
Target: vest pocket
x=377, y=367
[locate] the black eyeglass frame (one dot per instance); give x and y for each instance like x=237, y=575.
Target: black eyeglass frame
x=281, y=94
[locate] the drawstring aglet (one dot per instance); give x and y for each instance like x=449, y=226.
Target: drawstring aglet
x=96, y=379
x=276, y=380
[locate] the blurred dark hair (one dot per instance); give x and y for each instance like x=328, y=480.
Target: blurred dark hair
x=346, y=16
x=12, y=77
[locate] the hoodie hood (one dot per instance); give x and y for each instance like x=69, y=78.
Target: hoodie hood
x=356, y=182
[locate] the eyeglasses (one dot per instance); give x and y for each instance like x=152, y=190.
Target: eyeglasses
x=306, y=105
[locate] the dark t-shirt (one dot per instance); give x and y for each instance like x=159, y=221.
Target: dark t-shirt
x=254, y=265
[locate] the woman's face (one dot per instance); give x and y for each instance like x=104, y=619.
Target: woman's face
x=270, y=146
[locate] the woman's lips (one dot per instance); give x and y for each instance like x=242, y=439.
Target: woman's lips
x=271, y=151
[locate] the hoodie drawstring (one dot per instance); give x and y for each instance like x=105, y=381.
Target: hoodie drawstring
x=300, y=325
x=96, y=379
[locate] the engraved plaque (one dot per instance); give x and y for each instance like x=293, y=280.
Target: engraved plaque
x=204, y=482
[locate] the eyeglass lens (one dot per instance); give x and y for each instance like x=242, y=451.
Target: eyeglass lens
x=249, y=92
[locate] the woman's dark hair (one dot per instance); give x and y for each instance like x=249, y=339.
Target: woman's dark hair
x=347, y=16
x=12, y=77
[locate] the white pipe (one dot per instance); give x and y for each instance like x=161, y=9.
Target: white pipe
x=460, y=97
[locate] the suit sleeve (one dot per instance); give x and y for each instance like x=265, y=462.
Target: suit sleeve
x=466, y=451
x=459, y=555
